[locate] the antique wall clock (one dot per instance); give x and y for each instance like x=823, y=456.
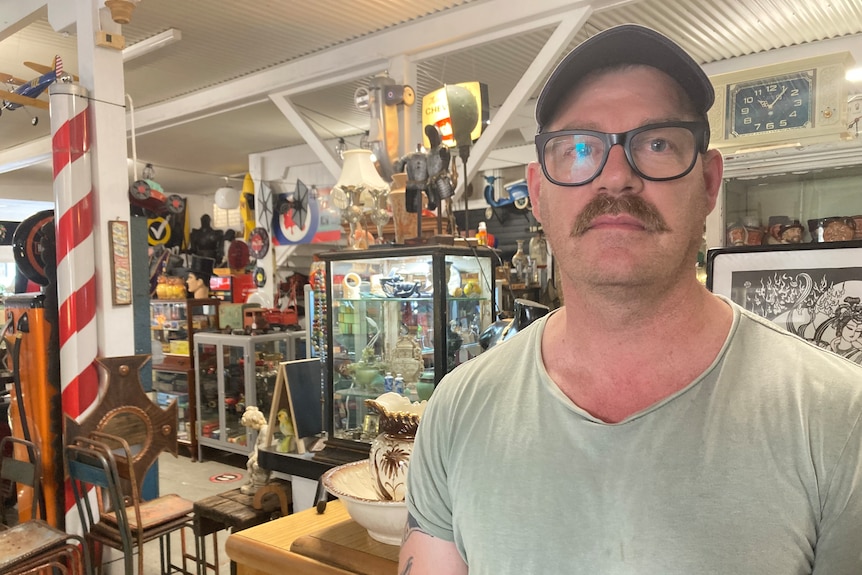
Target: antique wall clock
x=797, y=101
x=771, y=104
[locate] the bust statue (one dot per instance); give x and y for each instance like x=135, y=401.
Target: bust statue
x=198, y=279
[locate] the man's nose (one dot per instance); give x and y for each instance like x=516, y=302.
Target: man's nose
x=617, y=173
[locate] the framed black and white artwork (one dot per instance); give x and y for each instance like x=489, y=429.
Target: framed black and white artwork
x=812, y=290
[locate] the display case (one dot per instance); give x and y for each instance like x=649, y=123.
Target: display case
x=173, y=357
x=232, y=372
x=796, y=198
x=397, y=319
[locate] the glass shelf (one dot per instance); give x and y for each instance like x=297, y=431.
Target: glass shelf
x=807, y=196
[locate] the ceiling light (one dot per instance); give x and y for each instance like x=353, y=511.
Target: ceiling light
x=854, y=74
x=151, y=44
x=226, y=197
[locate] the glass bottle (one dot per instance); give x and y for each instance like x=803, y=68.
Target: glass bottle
x=521, y=263
x=539, y=250
x=482, y=234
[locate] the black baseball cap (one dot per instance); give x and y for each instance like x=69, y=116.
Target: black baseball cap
x=626, y=44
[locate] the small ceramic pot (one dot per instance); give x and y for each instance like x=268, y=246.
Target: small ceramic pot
x=857, y=235
x=736, y=235
x=833, y=229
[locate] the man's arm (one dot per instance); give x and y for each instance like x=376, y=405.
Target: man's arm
x=422, y=554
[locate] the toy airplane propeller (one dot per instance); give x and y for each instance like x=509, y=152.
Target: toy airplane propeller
x=24, y=93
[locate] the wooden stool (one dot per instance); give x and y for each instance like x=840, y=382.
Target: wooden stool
x=235, y=511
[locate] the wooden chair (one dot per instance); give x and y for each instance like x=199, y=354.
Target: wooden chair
x=122, y=520
x=34, y=545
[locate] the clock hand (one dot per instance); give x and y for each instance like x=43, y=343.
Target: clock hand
x=778, y=97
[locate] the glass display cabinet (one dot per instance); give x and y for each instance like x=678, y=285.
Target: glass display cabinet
x=233, y=371
x=173, y=360
x=396, y=319
x=810, y=196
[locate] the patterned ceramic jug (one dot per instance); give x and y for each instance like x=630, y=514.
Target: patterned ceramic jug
x=389, y=458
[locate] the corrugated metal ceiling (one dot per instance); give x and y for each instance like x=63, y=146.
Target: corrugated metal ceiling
x=224, y=40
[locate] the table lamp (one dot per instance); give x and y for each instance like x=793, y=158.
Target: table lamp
x=360, y=190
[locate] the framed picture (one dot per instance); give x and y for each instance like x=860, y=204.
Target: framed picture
x=121, y=268
x=812, y=290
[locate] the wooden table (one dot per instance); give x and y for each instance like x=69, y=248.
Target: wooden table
x=311, y=544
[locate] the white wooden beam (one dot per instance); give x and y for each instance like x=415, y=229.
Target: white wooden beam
x=535, y=74
x=16, y=14
x=453, y=27
x=26, y=155
x=326, y=156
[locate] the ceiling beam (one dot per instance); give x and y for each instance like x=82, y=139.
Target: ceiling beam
x=458, y=28
x=308, y=134
x=445, y=32
x=25, y=155
x=531, y=79
x=16, y=14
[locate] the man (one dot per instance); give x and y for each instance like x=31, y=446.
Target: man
x=647, y=427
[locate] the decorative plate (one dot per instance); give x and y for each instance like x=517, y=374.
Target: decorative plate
x=259, y=277
x=258, y=243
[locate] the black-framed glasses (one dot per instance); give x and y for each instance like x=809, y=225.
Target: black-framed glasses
x=656, y=152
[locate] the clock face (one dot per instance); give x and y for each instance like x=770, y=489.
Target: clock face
x=772, y=104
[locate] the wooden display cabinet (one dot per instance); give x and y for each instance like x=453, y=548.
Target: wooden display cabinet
x=173, y=324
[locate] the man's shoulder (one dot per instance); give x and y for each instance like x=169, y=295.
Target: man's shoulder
x=776, y=344
x=496, y=366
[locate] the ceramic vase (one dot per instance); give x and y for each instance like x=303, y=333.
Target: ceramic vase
x=389, y=459
x=405, y=222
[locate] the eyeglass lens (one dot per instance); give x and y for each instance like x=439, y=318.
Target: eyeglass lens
x=660, y=153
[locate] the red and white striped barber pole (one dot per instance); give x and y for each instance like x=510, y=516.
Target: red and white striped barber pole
x=76, y=268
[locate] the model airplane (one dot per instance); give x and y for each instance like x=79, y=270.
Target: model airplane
x=24, y=93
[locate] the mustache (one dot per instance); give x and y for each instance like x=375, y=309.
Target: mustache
x=632, y=204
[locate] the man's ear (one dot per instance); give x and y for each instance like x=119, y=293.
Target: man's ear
x=534, y=186
x=713, y=170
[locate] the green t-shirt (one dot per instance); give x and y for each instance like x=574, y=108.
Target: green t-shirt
x=753, y=468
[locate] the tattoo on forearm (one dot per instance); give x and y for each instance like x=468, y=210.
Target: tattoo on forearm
x=409, y=527
x=408, y=566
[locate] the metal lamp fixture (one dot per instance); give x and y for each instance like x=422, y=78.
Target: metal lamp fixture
x=360, y=191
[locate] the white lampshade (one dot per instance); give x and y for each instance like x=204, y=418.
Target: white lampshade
x=358, y=171
x=227, y=198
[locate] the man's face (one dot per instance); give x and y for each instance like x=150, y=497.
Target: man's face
x=656, y=234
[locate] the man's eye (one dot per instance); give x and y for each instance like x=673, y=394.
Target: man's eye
x=583, y=150
x=658, y=145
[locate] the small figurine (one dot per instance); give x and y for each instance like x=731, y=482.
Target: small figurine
x=285, y=425
x=254, y=419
